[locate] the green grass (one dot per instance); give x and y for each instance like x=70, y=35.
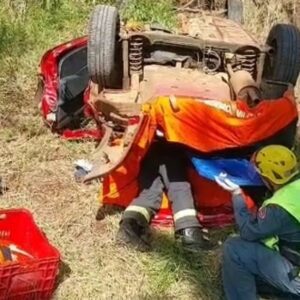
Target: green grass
x=28, y=30
x=38, y=169
x=145, y=11
x=169, y=266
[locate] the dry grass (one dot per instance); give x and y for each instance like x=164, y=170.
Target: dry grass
x=261, y=17
x=38, y=169
x=38, y=172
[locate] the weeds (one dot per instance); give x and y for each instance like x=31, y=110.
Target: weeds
x=162, y=12
x=262, y=15
x=37, y=167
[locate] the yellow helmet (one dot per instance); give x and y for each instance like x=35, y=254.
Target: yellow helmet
x=277, y=163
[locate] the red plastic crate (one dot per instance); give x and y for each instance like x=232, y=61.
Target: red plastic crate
x=34, y=280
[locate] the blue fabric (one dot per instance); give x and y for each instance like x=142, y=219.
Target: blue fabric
x=240, y=171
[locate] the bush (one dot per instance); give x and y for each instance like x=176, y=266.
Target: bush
x=162, y=12
x=29, y=27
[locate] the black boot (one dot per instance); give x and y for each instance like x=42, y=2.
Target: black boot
x=194, y=239
x=132, y=232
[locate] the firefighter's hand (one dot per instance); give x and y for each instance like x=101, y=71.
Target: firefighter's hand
x=227, y=184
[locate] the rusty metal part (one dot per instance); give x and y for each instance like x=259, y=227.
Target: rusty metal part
x=251, y=95
x=247, y=59
x=240, y=80
x=260, y=68
x=106, y=137
x=165, y=81
x=121, y=103
x=135, y=82
x=213, y=32
x=211, y=60
x=230, y=70
x=104, y=158
x=117, y=153
x=118, y=119
x=136, y=55
x=125, y=53
x=245, y=87
x=120, y=108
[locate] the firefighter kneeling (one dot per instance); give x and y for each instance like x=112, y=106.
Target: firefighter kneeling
x=268, y=248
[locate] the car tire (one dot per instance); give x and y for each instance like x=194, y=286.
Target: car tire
x=104, y=49
x=283, y=62
x=235, y=11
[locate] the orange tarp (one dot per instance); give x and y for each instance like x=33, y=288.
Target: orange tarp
x=120, y=186
x=209, y=125
x=204, y=125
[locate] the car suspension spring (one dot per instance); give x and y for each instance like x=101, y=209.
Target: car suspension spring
x=248, y=61
x=136, y=55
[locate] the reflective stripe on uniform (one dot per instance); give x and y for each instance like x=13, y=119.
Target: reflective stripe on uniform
x=185, y=213
x=139, y=209
x=271, y=242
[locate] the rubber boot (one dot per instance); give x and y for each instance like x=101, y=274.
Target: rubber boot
x=194, y=239
x=131, y=232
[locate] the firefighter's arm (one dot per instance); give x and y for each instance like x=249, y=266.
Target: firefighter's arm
x=267, y=222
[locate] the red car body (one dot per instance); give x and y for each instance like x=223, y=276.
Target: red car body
x=64, y=102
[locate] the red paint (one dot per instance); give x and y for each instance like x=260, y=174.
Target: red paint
x=48, y=72
x=164, y=218
x=49, y=75
x=82, y=134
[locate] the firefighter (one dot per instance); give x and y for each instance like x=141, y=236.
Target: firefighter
x=268, y=247
x=163, y=170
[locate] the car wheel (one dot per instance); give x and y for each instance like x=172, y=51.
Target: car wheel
x=235, y=11
x=104, y=47
x=283, y=61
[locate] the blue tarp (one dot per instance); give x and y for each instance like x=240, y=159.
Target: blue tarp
x=240, y=171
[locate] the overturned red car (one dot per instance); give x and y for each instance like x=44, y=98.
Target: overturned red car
x=211, y=88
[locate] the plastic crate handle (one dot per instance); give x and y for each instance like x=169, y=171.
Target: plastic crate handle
x=3, y=216
x=4, y=234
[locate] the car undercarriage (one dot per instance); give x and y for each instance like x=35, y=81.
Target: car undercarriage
x=133, y=79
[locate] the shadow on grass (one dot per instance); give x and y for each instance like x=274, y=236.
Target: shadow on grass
x=170, y=265
x=64, y=273
x=107, y=210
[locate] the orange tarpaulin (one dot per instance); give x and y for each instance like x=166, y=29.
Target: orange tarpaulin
x=209, y=125
x=120, y=186
x=204, y=125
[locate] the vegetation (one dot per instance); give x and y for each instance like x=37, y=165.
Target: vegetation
x=38, y=167
x=144, y=11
